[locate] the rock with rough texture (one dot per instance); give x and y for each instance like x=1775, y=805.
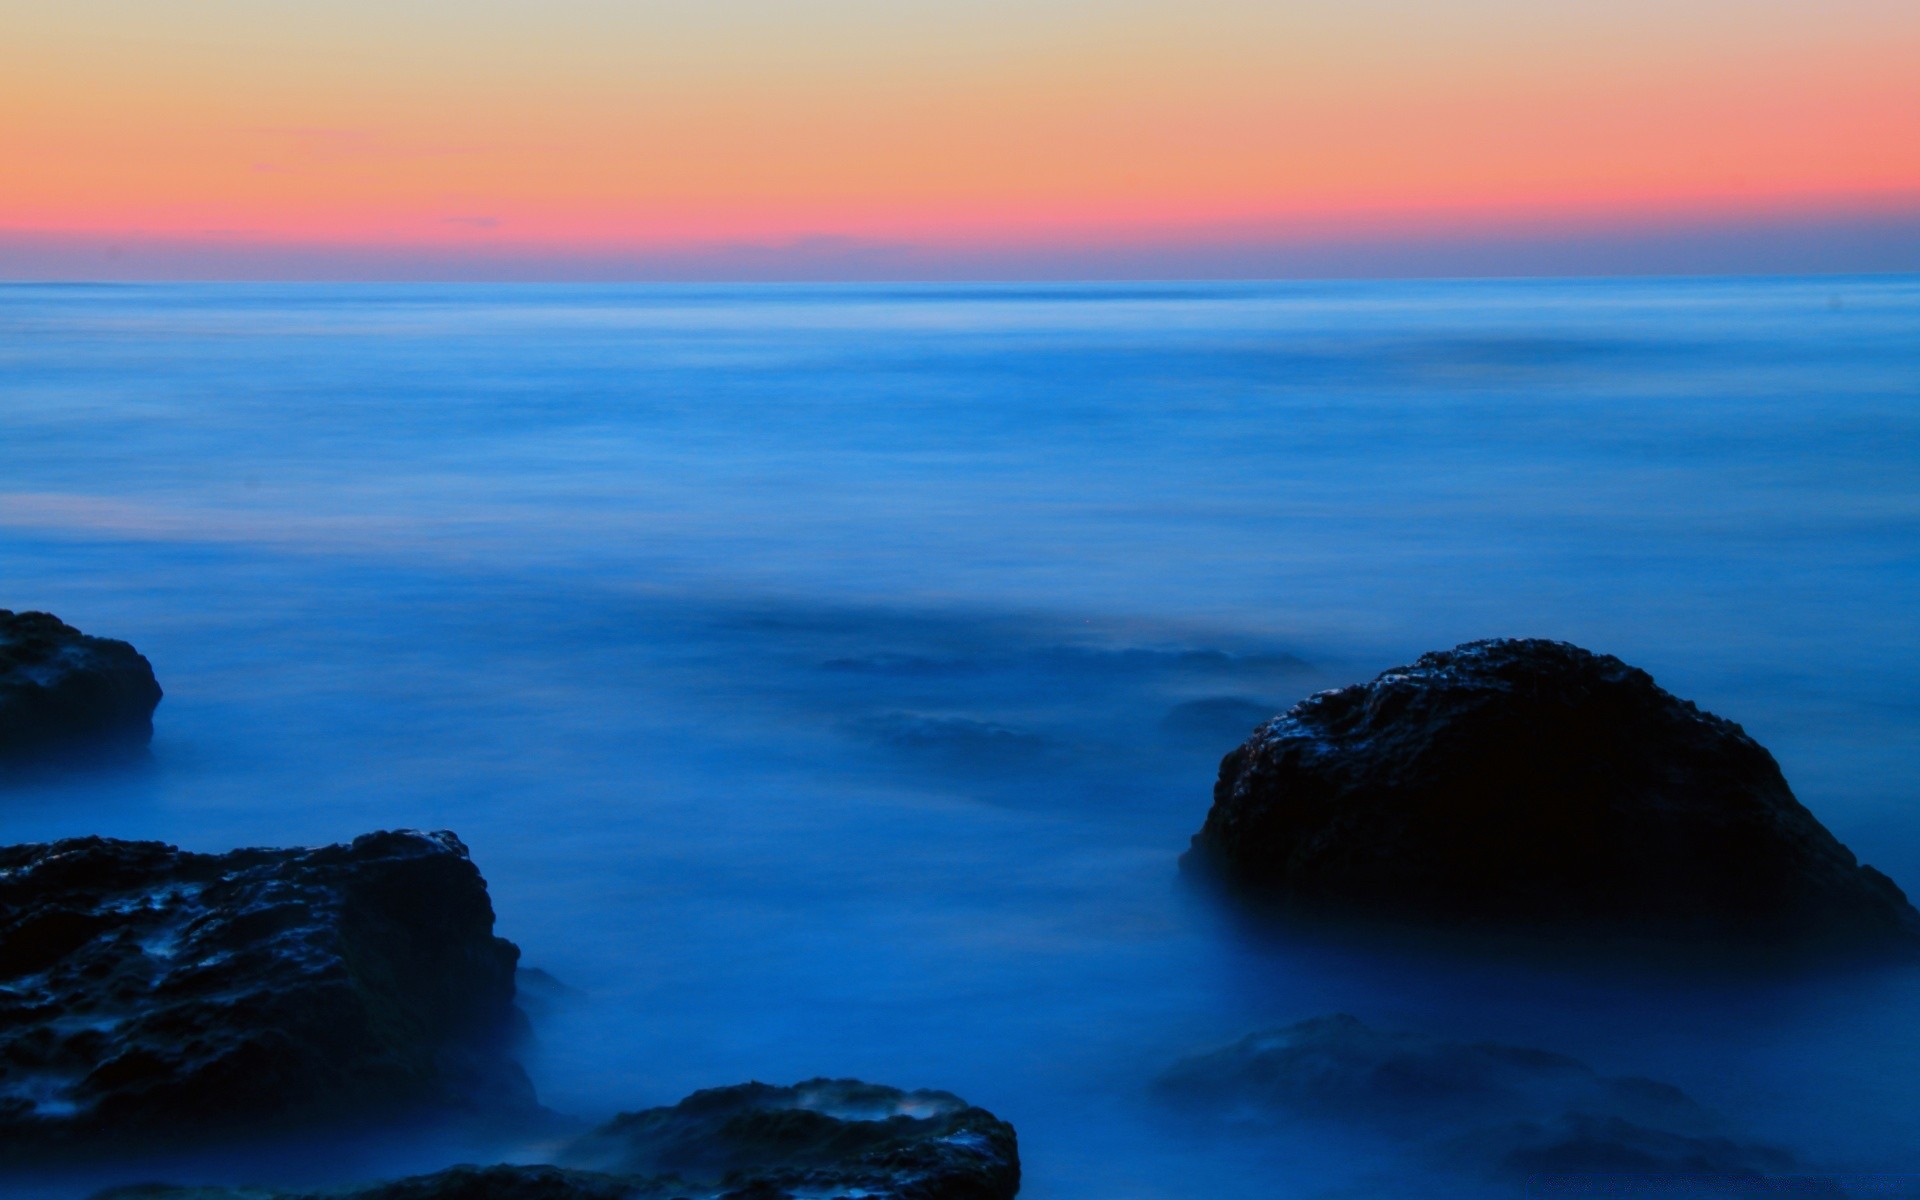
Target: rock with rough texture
x=822, y=1137
x=1505, y=1111
x=455, y=1183
x=150, y=995
x=63, y=693
x=1535, y=786
x=818, y=1139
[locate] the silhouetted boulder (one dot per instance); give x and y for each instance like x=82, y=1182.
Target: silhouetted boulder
x=822, y=1138
x=1535, y=786
x=150, y=995
x=64, y=693
x=1506, y=1111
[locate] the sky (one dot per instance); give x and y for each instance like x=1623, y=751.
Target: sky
x=861, y=138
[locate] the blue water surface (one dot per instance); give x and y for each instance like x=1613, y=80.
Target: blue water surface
x=827, y=679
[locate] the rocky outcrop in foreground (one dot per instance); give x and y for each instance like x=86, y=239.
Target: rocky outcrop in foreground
x=1502, y=1111
x=64, y=693
x=1535, y=786
x=150, y=995
x=456, y=1183
x=821, y=1138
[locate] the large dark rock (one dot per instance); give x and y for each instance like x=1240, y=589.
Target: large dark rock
x=1532, y=785
x=818, y=1139
x=1505, y=1111
x=826, y=1137
x=150, y=995
x=64, y=693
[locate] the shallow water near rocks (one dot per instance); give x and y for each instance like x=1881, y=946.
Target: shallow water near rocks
x=827, y=679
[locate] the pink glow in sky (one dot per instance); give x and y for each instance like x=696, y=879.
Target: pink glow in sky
x=583, y=129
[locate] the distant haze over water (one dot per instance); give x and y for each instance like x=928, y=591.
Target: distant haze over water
x=1833, y=238
x=827, y=678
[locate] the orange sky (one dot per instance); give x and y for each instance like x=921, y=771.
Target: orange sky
x=590, y=124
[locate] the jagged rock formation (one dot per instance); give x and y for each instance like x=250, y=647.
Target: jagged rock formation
x=151, y=995
x=1533, y=785
x=822, y=1138
x=64, y=693
x=1503, y=1111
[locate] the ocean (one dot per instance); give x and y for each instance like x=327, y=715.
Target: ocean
x=827, y=679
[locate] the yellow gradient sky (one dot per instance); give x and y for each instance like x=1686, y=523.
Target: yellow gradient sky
x=589, y=124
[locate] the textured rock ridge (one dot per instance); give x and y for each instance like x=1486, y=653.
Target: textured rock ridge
x=819, y=1139
x=1532, y=784
x=62, y=692
x=455, y=1183
x=149, y=993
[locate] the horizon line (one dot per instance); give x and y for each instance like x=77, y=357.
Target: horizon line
x=1822, y=243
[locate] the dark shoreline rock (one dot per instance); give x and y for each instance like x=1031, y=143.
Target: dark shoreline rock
x=1501, y=1111
x=820, y=1138
x=65, y=694
x=153, y=996
x=1533, y=786
x=823, y=1136
x=465, y=1182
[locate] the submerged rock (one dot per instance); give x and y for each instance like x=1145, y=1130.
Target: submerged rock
x=818, y=1139
x=1583, y=1144
x=1214, y=719
x=64, y=693
x=1508, y=1111
x=150, y=995
x=1341, y=1069
x=961, y=741
x=1533, y=785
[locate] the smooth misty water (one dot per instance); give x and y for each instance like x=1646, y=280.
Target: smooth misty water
x=801, y=665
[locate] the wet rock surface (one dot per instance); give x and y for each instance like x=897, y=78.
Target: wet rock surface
x=1484, y=1108
x=822, y=1138
x=1535, y=786
x=150, y=994
x=64, y=694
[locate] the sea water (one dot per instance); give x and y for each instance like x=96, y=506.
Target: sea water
x=826, y=679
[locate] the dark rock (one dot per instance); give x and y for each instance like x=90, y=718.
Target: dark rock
x=150, y=995
x=455, y=1183
x=822, y=1138
x=64, y=693
x=1501, y=1110
x=511, y=1183
x=1535, y=786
